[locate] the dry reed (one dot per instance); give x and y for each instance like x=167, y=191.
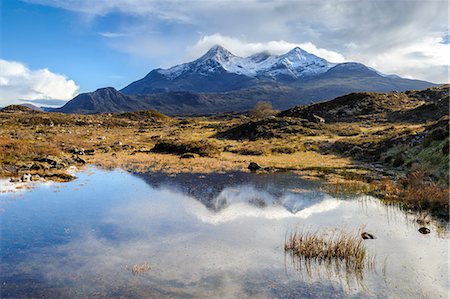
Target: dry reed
x=139, y=268
x=341, y=249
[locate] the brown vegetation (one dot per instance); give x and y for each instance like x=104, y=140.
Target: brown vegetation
x=343, y=250
x=262, y=109
x=418, y=192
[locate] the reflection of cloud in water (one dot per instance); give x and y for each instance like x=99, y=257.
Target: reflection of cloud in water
x=7, y=187
x=248, y=202
x=187, y=257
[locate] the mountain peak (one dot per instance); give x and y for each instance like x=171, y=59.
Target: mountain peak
x=217, y=48
x=217, y=52
x=297, y=50
x=298, y=53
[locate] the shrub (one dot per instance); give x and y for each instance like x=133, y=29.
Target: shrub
x=262, y=109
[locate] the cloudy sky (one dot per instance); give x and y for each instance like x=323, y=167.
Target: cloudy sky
x=54, y=49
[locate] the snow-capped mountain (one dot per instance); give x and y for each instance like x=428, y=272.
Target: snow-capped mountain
x=296, y=63
x=219, y=81
x=235, y=72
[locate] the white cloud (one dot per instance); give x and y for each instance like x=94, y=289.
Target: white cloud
x=18, y=82
x=242, y=48
x=112, y=34
x=426, y=59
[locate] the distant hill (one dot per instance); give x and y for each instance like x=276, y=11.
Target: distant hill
x=222, y=82
x=21, y=107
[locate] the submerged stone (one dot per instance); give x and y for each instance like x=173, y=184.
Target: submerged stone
x=424, y=230
x=367, y=236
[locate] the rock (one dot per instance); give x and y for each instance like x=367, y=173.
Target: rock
x=318, y=119
x=188, y=156
x=424, y=230
x=76, y=151
x=269, y=169
x=60, y=177
x=40, y=166
x=53, y=161
x=79, y=160
x=253, y=166
x=89, y=152
x=143, y=150
x=367, y=236
x=26, y=178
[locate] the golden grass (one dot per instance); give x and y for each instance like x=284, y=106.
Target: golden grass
x=142, y=162
x=14, y=149
x=341, y=249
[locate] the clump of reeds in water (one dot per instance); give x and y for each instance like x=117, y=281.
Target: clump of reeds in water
x=344, y=251
x=139, y=268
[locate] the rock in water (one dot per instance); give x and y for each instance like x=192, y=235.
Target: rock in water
x=424, y=230
x=367, y=236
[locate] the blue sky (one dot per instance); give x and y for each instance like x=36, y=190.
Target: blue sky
x=65, y=42
x=55, y=49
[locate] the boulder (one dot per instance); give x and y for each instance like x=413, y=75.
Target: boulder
x=253, y=166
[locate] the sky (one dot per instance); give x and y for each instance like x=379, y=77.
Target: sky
x=52, y=50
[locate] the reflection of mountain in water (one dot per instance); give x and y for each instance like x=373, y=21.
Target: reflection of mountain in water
x=218, y=190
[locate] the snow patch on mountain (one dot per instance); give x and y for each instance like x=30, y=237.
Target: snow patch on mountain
x=297, y=63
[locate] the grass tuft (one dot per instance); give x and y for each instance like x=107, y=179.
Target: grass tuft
x=343, y=250
x=139, y=268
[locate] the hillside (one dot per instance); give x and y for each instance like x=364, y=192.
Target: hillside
x=411, y=106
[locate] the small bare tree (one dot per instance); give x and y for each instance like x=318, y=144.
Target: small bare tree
x=262, y=109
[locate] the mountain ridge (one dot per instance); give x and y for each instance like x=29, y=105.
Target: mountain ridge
x=220, y=81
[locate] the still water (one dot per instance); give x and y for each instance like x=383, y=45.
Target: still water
x=207, y=236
